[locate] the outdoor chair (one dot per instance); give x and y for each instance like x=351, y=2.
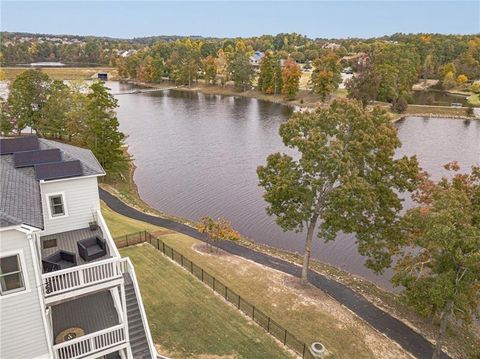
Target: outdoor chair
x=92, y=248
x=59, y=260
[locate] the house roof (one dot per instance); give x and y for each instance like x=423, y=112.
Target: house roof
x=20, y=200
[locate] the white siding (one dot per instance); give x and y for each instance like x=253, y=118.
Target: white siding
x=22, y=331
x=81, y=201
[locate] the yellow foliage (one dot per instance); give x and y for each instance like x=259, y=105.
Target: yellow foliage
x=461, y=79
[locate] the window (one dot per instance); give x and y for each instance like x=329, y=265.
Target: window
x=57, y=208
x=11, y=277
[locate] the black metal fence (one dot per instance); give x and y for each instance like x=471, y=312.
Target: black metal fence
x=259, y=317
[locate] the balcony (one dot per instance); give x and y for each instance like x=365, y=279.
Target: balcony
x=68, y=272
x=68, y=242
x=87, y=326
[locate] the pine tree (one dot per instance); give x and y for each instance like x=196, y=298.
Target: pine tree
x=102, y=135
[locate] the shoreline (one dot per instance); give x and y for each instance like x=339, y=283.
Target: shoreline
x=306, y=101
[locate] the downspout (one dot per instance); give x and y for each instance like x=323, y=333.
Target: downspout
x=31, y=236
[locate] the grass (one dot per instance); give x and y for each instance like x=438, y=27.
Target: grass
x=474, y=99
x=188, y=320
x=304, y=310
x=63, y=73
x=120, y=225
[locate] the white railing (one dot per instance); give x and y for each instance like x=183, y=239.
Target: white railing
x=131, y=270
x=70, y=279
x=91, y=343
x=106, y=233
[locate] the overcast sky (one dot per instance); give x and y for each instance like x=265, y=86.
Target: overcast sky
x=328, y=19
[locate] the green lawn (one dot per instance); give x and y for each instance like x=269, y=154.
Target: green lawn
x=188, y=320
x=120, y=225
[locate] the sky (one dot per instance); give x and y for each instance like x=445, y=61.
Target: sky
x=324, y=19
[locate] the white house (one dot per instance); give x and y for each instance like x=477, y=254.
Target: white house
x=65, y=292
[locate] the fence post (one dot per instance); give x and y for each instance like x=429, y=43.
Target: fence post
x=202, y=274
x=191, y=267
x=239, y=302
x=304, y=347
x=163, y=246
x=172, y=253
x=181, y=259
x=226, y=292
x=268, y=325
x=158, y=244
x=213, y=284
x=253, y=312
x=285, y=339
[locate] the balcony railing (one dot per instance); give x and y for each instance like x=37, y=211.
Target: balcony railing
x=71, y=279
x=91, y=343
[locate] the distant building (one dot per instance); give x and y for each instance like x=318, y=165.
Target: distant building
x=256, y=58
x=331, y=46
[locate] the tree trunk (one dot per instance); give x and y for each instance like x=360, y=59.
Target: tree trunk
x=443, y=328
x=308, y=248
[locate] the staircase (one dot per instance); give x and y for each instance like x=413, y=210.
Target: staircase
x=136, y=331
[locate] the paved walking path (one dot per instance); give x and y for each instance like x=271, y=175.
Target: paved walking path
x=393, y=328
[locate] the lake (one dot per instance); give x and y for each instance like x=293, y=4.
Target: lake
x=197, y=154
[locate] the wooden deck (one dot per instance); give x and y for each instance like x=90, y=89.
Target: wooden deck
x=91, y=313
x=68, y=242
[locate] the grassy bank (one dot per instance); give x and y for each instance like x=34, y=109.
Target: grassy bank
x=64, y=73
x=304, y=310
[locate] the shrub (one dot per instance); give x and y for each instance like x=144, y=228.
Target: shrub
x=400, y=105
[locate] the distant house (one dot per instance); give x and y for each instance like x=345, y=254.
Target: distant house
x=360, y=59
x=256, y=58
x=128, y=53
x=331, y=46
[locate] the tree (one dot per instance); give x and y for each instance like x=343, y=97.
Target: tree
x=55, y=110
x=270, y=78
x=102, y=135
x=428, y=67
x=241, y=72
x=221, y=63
x=6, y=122
x=28, y=95
x=220, y=229
x=210, y=69
x=475, y=88
x=291, y=74
x=449, y=80
x=462, y=79
x=438, y=255
x=185, y=61
x=400, y=105
x=364, y=86
x=326, y=76
x=346, y=177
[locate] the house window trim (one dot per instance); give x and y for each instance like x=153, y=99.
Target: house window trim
x=49, y=206
x=23, y=270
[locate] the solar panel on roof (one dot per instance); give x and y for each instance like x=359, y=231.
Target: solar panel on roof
x=30, y=158
x=56, y=170
x=17, y=144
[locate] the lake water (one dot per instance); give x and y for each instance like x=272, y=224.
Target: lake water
x=197, y=155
